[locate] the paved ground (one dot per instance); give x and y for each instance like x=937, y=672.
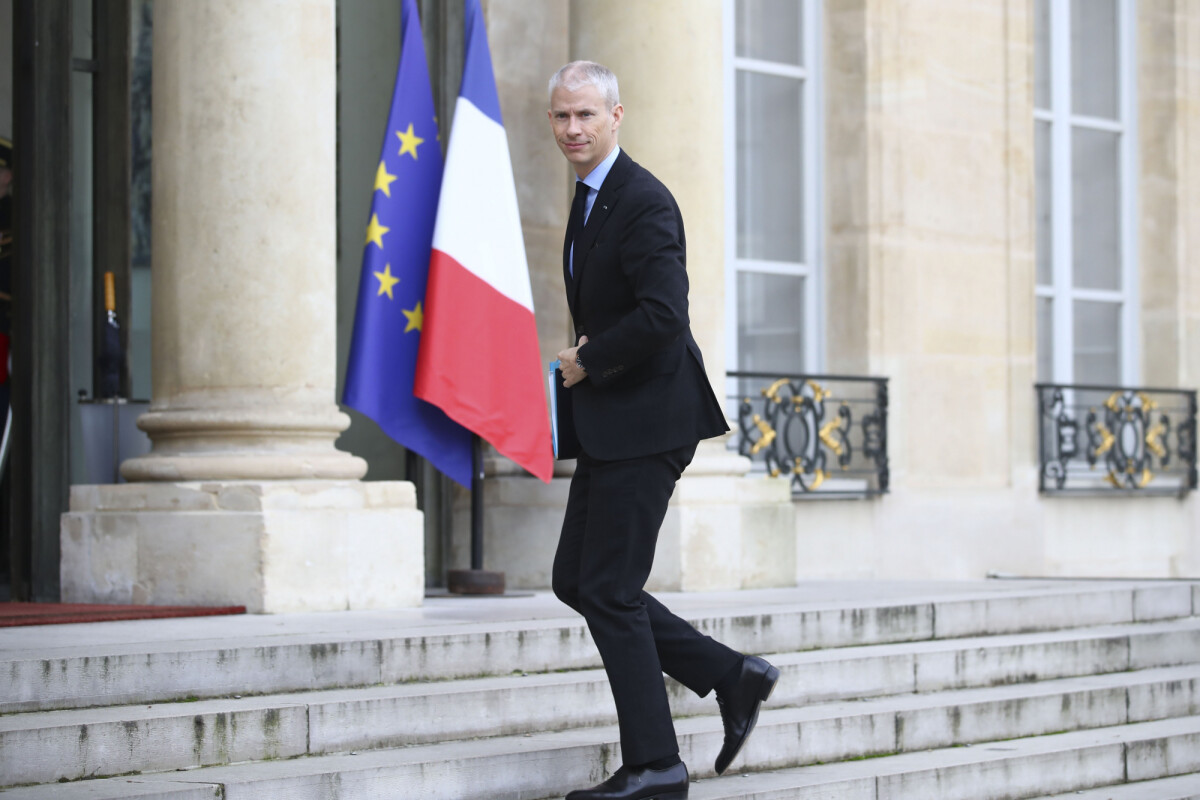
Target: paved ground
x=441, y=613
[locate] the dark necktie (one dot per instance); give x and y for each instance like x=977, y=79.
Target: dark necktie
x=575, y=221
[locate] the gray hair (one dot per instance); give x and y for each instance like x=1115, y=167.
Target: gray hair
x=578, y=74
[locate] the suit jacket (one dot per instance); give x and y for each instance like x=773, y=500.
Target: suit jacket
x=646, y=390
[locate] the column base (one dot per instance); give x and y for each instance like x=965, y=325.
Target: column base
x=273, y=547
x=239, y=444
x=723, y=529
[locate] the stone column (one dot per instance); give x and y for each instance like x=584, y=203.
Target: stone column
x=243, y=418
x=244, y=238
x=724, y=530
x=667, y=58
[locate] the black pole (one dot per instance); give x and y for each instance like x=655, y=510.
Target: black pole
x=475, y=580
x=476, y=502
x=413, y=474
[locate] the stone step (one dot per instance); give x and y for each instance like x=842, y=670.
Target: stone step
x=172, y=668
x=1013, y=770
x=415, y=713
x=114, y=788
x=1182, y=787
x=544, y=766
x=870, y=728
x=275, y=726
x=68, y=745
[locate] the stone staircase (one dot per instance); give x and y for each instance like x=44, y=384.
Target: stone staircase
x=987, y=690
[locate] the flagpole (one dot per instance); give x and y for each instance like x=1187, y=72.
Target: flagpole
x=476, y=580
x=476, y=502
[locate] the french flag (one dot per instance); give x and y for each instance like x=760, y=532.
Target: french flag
x=479, y=360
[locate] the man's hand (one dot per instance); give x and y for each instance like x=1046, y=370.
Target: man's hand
x=571, y=373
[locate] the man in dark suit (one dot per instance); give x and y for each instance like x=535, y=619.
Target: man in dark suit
x=641, y=402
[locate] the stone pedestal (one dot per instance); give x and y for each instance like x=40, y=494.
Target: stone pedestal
x=272, y=546
x=244, y=498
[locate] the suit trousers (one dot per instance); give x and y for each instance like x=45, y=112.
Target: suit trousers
x=605, y=552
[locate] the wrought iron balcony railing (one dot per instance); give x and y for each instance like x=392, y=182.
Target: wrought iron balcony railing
x=1106, y=439
x=826, y=433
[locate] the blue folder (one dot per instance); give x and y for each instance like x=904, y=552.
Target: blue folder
x=562, y=422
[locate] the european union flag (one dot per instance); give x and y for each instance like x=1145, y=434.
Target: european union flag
x=395, y=267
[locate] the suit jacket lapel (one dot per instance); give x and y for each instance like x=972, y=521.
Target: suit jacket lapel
x=568, y=281
x=606, y=199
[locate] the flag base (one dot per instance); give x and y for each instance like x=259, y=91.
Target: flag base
x=474, y=581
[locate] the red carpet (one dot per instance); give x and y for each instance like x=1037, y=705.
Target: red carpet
x=14, y=614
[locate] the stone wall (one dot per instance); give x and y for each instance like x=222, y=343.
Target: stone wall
x=929, y=259
x=931, y=275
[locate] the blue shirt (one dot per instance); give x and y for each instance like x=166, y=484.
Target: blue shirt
x=594, y=180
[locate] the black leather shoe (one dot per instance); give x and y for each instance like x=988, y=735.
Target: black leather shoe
x=739, y=706
x=639, y=784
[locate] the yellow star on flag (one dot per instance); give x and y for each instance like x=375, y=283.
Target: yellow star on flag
x=383, y=180
x=375, y=231
x=386, y=282
x=416, y=318
x=409, y=141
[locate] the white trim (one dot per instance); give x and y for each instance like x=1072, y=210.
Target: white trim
x=773, y=267
x=1063, y=364
x=1099, y=295
x=1131, y=351
x=814, y=182
x=770, y=68
x=1063, y=123
x=812, y=144
x=1100, y=123
x=1093, y=295
x=729, y=120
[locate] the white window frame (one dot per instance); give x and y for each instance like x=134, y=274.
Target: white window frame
x=1062, y=123
x=812, y=142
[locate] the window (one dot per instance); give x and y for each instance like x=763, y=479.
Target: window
x=1084, y=138
x=773, y=247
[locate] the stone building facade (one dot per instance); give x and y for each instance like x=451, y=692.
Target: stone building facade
x=929, y=268
x=967, y=219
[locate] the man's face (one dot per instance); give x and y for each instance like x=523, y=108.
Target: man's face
x=584, y=127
